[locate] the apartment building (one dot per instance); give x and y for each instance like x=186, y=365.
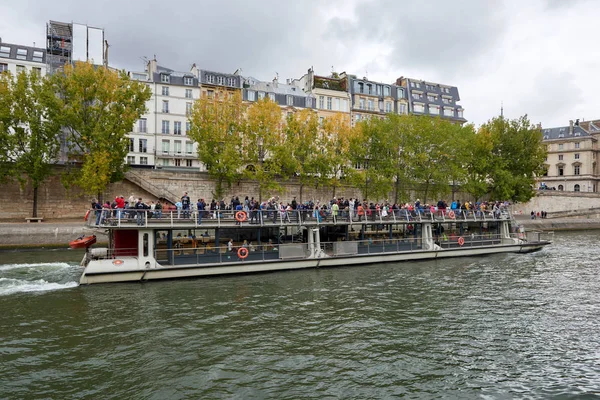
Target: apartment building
x=159, y=138
x=16, y=58
x=290, y=97
x=375, y=99
x=571, y=164
x=433, y=99
x=329, y=92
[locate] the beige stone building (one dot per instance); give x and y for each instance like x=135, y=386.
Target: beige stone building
x=571, y=164
x=330, y=93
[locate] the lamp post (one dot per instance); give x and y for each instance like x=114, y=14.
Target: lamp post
x=261, y=158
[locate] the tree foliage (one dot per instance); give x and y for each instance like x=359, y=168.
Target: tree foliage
x=98, y=108
x=29, y=130
x=217, y=125
x=264, y=148
x=517, y=157
x=304, y=147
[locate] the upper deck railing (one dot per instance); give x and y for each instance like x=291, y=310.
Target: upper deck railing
x=128, y=218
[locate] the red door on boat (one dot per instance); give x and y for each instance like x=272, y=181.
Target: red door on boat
x=83, y=242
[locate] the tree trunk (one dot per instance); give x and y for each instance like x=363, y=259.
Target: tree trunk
x=35, y=201
x=301, y=192
x=397, y=190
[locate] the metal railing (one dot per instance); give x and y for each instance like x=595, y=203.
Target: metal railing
x=178, y=217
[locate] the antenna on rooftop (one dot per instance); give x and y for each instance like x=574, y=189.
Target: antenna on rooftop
x=501, y=109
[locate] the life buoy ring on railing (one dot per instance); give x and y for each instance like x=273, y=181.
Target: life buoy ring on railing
x=240, y=216
x=461, y=241
x=242, y=253
x=451, y=215
x=87, y=214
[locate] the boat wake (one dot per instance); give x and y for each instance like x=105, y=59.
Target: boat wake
x=11, y=286
x=37, y=277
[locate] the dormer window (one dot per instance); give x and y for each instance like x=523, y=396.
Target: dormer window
x=546, y=137
x=164, y=78
x=4, y=51
x=21, y=54
x=561, y=135
x=188, y=81
x=37, y=56
x=577, y=134
x=210, y=78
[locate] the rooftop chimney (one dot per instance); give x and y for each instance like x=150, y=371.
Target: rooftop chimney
x=570, y=127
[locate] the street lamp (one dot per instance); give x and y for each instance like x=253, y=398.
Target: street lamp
x=261, y=158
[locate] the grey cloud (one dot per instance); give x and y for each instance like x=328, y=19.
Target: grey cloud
x=444, y=35
x=260, y=37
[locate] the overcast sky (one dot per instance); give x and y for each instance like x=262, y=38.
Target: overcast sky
x=538, y=57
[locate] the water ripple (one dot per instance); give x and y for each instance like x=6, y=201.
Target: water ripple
x=504, y=326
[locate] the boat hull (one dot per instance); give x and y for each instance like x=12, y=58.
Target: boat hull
x=129, y=270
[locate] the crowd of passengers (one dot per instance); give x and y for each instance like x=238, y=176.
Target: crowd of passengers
x=256, y=212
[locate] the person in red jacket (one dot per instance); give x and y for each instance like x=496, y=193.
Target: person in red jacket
x=120, y=200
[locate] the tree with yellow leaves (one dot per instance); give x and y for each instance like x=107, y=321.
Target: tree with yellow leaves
x=264, y=145
x=337, y=136
x=217, y=125
x=98, y=107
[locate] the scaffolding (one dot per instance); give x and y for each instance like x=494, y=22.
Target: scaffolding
x=59, y=37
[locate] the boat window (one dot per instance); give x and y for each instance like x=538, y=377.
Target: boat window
x=145, y=245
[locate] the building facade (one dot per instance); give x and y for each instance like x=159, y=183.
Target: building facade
x=16, y=58
x=159, y=137
x=290, y=97
x=374, y=99
x=330, y=93
x=433, y=99
x=571, y=164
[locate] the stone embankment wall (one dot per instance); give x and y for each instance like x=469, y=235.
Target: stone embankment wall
x=561, y=204
x=44, y=234
x=57, y=203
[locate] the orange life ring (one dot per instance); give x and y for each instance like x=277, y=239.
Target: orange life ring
x=461, y=241
x=242, y=253
x=87, y=214
x=451, y=215
x=240, y=216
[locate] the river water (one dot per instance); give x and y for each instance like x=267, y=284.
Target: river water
x=503, y=326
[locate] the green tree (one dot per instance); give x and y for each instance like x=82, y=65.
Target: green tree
x=29, y=130
x=98, y=108
x=371, y=152
x=303, y=145
x=335, y=160
x=478, y=163
x=264, y=144
x=216, y=125
x=517, y=157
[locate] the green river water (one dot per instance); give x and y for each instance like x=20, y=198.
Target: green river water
x=503, y=326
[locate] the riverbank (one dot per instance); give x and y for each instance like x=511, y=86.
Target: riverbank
x=560, y=224
x=45, y=234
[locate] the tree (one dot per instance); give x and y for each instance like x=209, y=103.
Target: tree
x=371, y=152
x=337, y=136
x=216, y=125
x=29, y=130
x=98, y=108
x=478, y=164
x=303, y=142
x=517, y=157
x=263, y=144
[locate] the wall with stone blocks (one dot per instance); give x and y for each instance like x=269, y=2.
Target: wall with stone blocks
x=558, y=202
x=55, y=202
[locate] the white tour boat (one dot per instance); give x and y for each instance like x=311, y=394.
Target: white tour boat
x=143, y=246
